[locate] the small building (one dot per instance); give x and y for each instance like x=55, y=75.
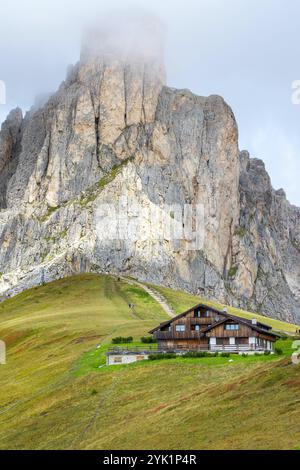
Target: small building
x=116, y=356
x=206, y=328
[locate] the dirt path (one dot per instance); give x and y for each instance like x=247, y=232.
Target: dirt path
x=157, y=296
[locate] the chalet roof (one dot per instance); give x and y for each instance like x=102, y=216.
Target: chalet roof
x=264, y=329
x=244, y=321
x=185, y=313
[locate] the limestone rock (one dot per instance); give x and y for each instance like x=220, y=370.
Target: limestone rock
x=10, y=141
x=119, y=173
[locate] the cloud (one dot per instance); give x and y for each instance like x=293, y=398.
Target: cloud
x=126, y=34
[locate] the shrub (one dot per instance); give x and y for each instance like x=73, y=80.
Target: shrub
x=148, y=339
x=267, y=353
x=195, y=354
x=199, y=354
x=232, y=271
x=156, y=357
x=225, y=354
x=278, y=351
x=121, y=340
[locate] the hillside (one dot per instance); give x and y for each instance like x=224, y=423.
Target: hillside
x=56, y=393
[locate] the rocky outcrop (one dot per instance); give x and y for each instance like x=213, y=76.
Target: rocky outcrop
x=266, y=255
x=10, y=145
x=118, y=173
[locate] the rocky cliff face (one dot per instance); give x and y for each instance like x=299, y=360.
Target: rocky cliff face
x=266, y=263
x=116, y=171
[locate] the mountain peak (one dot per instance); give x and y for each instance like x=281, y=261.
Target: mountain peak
x=186, y=209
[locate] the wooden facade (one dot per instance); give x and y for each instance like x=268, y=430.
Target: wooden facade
x=206, y=328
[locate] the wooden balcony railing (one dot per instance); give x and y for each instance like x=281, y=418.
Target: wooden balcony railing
x=237, y=347
x=200, y=321
x=164, y=335
x=183, y=349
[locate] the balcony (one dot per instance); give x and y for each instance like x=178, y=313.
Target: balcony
x=238, y=348
x=200, y=321
x=164, y=335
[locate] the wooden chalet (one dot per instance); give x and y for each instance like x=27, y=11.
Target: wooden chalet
x=206, y=328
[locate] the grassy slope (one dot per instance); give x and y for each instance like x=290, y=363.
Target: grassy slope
x=48, y=400
x=181, y=301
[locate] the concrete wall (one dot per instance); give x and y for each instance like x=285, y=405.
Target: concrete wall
x=117, y=359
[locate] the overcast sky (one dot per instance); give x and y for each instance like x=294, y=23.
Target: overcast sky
x=245, y=50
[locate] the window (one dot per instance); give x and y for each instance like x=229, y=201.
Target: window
x=180, y=327
x=232, y=327
x=196, y=327
x=198, y=314
x=241, y=340
x=117, y=360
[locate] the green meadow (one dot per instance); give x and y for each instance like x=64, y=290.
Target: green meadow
x=57, y=393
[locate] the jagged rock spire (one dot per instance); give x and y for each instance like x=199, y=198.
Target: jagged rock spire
x=122, y=61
